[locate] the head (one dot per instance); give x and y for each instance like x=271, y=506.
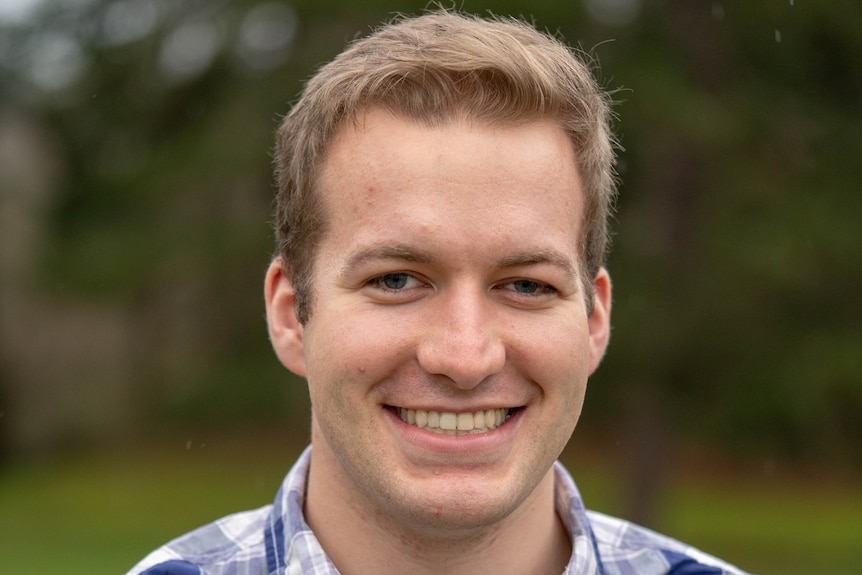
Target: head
x=435, y=69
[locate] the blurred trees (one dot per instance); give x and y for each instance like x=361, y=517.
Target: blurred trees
x=736, y=318
x=739, y=250
x=136, y=191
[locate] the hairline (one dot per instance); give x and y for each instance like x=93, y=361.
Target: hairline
x=585, y=119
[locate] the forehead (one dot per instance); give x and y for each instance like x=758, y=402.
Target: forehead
x=376, y=140
x=385, y=174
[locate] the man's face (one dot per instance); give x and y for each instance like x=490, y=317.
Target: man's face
x=448, y=347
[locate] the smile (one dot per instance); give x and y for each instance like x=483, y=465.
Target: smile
x=449, y=423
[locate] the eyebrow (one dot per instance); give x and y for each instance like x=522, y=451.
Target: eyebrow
x=388, y=251
x=539, y=257
x=407, y=253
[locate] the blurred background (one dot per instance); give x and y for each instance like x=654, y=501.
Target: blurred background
x=139, y=397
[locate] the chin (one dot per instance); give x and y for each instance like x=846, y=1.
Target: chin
x=463, y=505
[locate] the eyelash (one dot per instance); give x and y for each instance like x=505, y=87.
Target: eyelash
x=541, y=288
x=377, y=282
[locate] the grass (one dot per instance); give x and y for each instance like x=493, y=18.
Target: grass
x=99, y=512
x=794, y=521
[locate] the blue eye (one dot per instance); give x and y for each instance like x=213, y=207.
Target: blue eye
x=529, y=288
x=526, y=286
x=396, y=287
x=394, y=281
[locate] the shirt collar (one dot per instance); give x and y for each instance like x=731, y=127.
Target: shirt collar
x=585, y=559
x=293, y=549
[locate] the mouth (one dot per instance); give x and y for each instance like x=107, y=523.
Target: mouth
x=450, y=423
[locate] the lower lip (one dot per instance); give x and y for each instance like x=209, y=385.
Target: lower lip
x=468, y=444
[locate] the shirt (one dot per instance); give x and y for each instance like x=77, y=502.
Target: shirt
x=276, y=540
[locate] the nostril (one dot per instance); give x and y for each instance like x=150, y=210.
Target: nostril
x=465, y=365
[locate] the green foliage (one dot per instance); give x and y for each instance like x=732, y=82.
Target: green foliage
x=737, y=253
x=738, y=250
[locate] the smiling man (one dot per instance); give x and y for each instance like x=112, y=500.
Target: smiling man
x=444, y=188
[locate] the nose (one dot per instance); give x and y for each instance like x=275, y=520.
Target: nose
x=462, y=340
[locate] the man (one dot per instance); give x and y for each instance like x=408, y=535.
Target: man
x=444, y=186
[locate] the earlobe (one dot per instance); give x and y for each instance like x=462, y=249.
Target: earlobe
x=285, y=330
x=600, y=318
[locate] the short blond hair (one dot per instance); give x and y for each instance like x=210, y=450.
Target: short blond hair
x=435, y=68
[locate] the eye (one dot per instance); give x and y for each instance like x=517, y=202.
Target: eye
x=394, y=282
x=527, y=287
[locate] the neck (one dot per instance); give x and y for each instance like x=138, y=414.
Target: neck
x=361, y=539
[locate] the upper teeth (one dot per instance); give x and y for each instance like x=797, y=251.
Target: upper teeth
x=452, y=423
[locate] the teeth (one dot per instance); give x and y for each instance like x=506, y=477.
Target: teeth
x=448, y=421
x=454, y=423
x=465, y=421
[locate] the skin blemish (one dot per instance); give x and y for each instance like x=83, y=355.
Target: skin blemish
x=370, y=191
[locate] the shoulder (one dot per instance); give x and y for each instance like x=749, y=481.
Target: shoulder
x=625, y=547
x=232, y=544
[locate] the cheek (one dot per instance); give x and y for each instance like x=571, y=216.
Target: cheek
x=352, y=356
x=336, y=341
x=558, y=353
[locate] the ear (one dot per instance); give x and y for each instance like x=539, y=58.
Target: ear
x=600, y=319
x=285, y=331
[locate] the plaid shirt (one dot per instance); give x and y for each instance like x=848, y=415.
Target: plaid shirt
x=276, y=540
